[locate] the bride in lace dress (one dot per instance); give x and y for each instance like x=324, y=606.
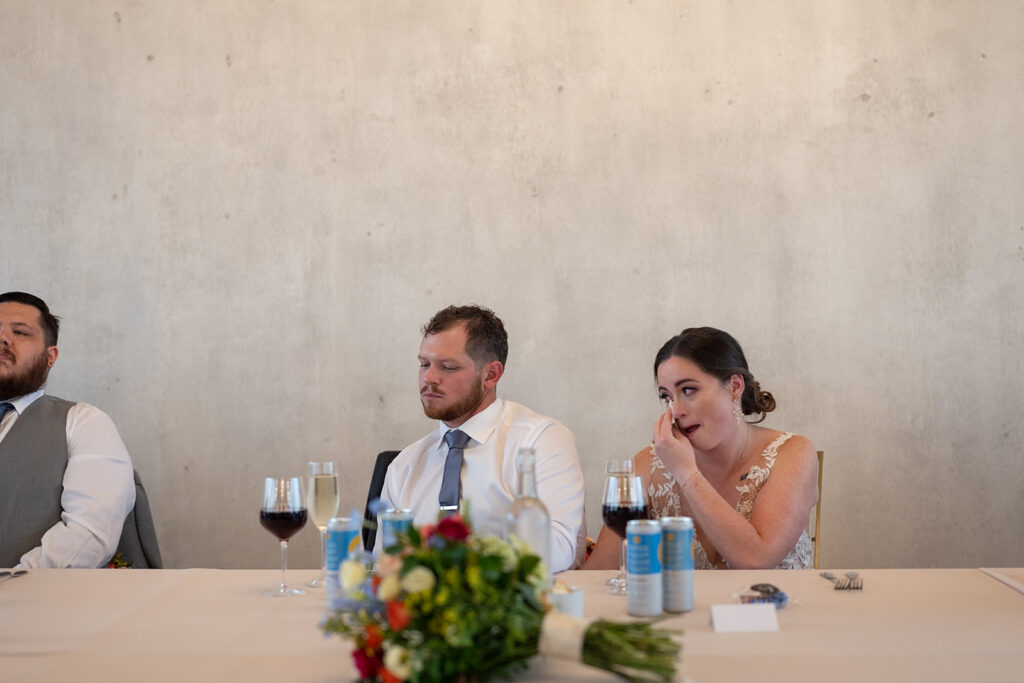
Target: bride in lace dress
x=749, y=489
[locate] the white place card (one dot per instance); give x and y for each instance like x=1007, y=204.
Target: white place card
x=744, y=618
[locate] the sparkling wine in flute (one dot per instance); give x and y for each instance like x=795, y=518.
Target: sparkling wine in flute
x=323, y=499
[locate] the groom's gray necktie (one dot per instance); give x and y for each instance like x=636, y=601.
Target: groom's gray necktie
x=452, y=479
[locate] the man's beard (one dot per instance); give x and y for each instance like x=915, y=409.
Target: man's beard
x=456, y=410
x=27, y=381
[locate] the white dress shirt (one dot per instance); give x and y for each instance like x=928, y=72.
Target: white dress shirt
x=99, y=490
x=489, y=480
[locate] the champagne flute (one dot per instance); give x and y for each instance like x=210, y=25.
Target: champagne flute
x=323, y=499
x=624, y=499
x=283, y=513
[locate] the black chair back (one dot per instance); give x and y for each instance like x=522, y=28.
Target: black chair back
x=380, y=468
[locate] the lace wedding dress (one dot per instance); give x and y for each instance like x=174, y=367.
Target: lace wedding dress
x=664, y=495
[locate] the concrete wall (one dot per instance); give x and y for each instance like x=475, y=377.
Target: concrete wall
x=245, y=210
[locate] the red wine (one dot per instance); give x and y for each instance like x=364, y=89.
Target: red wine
x=283, y=524
x=616, y=516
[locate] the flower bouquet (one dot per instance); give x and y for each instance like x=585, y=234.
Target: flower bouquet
x=444, y=604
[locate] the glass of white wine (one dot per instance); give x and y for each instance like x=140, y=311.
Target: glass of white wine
x=323, y=498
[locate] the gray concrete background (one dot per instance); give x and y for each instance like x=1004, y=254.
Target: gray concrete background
x=245, y=210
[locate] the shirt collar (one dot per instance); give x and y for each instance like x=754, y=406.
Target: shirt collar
x=480, y=426
x=21, y=403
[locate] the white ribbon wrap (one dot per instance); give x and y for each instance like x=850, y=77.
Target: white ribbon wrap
x=562, y=635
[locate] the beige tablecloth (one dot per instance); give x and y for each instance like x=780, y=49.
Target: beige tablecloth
x=210, y=625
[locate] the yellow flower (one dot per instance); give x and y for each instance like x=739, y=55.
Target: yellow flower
x=353, y=573
x=389, y=588
x=450, y=622
x=473, y=576
x=418, y=579
x=420, y=603
x=396, y=660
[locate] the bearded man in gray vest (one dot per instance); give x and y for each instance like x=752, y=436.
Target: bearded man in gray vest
x=66, y=482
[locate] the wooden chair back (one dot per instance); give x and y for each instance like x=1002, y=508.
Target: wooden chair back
x=816, y=537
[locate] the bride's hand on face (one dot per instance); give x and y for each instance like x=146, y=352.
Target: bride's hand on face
x=672, y=447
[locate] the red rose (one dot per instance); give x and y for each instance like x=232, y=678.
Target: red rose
x=453, y=527
x=368, y=666
x=398, y=615
x=388, y=677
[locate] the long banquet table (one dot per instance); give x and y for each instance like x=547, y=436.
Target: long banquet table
x=216, y=625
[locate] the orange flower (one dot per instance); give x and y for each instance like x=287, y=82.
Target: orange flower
x=388, y=677
x=398, y=615
x=373, y=637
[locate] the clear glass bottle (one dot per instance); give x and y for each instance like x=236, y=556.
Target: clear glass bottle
x=527, y=517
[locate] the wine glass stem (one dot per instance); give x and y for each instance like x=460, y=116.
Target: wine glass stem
x=284, y=565
x=323, y=554
x=622, y=561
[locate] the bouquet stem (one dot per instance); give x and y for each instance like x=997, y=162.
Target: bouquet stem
x=635, y=651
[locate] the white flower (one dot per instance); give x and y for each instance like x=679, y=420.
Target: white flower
x=538, y=579
x=492, y=545
x=388, y=588
x=396, y=660
x=418, y=579
x=352, y=574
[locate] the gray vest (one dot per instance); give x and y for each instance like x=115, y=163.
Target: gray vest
x=33, y=457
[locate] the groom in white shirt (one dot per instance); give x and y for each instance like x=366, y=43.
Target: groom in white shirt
x=66, y=480
x=462, y=357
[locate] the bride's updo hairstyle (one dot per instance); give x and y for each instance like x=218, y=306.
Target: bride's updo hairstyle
x=718, y=354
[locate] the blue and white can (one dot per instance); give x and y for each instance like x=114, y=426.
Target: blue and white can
x=392, y=523
x=677, y=569
x=341, y=540
x=643, y=567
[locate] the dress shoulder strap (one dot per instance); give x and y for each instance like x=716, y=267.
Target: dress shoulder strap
x=757, y=475
x=771, y=451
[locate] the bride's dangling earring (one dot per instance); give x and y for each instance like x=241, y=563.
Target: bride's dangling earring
x=737, y=411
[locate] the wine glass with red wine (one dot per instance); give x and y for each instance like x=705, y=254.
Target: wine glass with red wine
x=624, y=500
x=283, y=513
